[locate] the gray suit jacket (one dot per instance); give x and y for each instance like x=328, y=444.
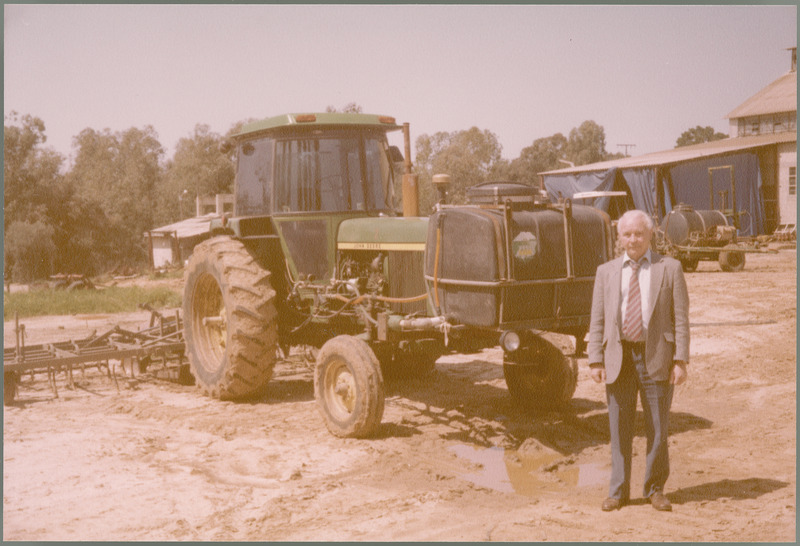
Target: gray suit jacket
x=668, y=329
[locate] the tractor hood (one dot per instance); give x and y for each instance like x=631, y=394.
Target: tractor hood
x=383, y=233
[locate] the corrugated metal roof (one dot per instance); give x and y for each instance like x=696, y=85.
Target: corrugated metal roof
x=684, y=153
x=779, y=96
x=186, y=228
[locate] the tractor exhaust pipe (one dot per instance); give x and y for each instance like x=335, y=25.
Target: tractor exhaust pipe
x=410, y=187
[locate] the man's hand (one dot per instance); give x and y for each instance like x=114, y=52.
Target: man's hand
x=599, y=374
x=678, y=374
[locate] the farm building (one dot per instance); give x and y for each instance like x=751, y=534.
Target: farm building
x=173, y=244
x=750, y=176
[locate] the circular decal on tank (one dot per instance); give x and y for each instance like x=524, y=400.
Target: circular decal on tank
x=525, y=246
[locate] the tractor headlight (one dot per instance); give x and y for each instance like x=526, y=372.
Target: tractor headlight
x=510, y=341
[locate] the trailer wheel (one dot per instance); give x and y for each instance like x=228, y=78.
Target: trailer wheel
x=689, y=264
x=541, y=376
x=10, y=387
x=229, y=320
x=348, y=386
x=731, y=259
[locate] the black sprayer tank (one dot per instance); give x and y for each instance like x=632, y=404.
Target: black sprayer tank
x=530, y=265
x=683, y=220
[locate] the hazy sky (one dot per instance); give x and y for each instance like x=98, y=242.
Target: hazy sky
x=645, y=73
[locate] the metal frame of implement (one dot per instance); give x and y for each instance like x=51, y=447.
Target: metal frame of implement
x=163, y=339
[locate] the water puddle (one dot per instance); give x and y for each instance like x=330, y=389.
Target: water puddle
x=511, y=471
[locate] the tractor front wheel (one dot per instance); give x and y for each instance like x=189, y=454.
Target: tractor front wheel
x=229, y=320
x=348, y=386
x=541, y=376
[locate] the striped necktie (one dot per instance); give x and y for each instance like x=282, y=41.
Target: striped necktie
x=632, y=328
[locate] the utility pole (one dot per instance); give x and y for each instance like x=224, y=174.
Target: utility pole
x=626, y=148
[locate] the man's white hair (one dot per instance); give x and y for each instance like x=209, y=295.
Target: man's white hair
x=635, y=214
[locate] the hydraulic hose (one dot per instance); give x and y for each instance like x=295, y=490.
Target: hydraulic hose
x=359, y=299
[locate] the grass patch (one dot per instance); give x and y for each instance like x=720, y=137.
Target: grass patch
x=116, y=299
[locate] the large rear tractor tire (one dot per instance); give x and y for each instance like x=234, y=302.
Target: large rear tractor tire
x=731, y=259
x=542, y=376
x=348, y=386
x=230, y=320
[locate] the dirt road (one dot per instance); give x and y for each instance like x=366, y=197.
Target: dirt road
x=455, y=458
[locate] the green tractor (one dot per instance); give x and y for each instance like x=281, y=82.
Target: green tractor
x=316, y=255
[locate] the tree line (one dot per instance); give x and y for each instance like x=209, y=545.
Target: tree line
x=473, y=156
x=91, y=218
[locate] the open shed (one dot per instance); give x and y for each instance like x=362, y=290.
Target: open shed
x=735, y=175
x=173, y=244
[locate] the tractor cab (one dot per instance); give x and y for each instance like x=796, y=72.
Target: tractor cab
x=299, y=176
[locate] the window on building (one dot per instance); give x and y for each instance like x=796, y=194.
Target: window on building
x=792, y=180
x=767, y=124
x=749, y=126
x=781, y=122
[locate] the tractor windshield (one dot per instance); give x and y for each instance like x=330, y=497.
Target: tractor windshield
x=343, y=173
x=333, y=172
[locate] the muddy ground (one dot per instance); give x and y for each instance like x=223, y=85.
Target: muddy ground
x=455, y=458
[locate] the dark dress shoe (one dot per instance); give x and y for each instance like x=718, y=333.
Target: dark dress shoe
x=660, y=502
x=611, y=504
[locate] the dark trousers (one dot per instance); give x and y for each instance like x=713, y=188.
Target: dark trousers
x=656, y=399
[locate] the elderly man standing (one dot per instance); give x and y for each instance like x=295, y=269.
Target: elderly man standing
x=639, y=345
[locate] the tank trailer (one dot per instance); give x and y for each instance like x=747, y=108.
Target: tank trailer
x=691, y=235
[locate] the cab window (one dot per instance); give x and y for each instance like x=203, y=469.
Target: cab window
x=253, y=177
x=346, y=173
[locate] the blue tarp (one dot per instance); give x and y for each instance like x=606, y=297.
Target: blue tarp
x=566, y=185
x=642, y=185
x=690, y=184
x=639, y=183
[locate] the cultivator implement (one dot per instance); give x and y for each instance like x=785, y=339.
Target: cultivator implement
x=158, y=350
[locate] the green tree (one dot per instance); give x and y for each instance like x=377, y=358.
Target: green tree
x=119, y=172
x=698, y=135
x=82, y=234
x=349, y=108
x=470, y=157
x=586, y=144
x=543, y=155
x=30, y=172
x=36, y=203
x=198, y=168
x=29, y=250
